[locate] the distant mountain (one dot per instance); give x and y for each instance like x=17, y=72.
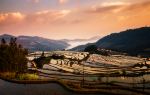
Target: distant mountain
x=132, y=41
x=76, y=42
x=37, y=43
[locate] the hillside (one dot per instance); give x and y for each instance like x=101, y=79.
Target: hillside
x=132, y=41
x=37, y=43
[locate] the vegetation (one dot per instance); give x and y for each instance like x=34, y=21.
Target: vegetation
x=27, y=76
x=41, y=60
x=45, y=60
x=91, y=49
x=21, y=76
x=55, y=56
x=8, y=75
x=132, y=41
x=42, y=45
x=12, y=56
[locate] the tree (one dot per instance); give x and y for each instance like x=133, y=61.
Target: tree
x=42, y=60
x=3, y=42
x=12, y=56
x=91, y=49
x=43, y=55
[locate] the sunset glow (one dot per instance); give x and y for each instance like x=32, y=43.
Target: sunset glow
x=70, y=19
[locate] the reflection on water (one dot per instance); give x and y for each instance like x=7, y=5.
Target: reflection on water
x=140, y=79
x=7, y=88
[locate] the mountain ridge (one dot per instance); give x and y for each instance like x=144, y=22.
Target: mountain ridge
x=131, y=41
x=35, y=43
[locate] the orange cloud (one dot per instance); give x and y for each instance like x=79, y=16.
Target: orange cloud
x=90, y=21
x=47, y=16
x=107, y=7
x=34, y=1
x=113, y=3
x=11, y=18
x=102, y=9
x=137, y=6
x=63, y=1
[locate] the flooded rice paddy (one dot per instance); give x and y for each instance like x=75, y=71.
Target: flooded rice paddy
x=99, y=73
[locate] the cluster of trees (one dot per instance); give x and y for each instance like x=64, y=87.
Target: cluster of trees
x=45, y=60
x=93, y=49
x=12, y=56
x=41, y=61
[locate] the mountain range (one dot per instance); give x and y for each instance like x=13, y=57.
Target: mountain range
x=131, y=41
x=35, y=43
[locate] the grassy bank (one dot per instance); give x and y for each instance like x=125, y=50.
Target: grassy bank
x=22, y=76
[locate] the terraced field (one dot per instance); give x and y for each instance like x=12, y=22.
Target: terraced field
x=84, y=71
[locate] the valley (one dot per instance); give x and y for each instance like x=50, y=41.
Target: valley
x=78, y=70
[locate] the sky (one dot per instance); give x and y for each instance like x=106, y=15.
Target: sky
x=72, y=19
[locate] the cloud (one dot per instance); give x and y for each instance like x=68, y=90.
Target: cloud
x=63, y=1
x=49, y=16
x=34, y=1
x=102, y=9
x=41, y=17
x=105, y=17
x=137, y=6
x=116, y=7
x=138, y=12
x=106, y=7
x=74, y=16
x=11, y=18
x=118, y=3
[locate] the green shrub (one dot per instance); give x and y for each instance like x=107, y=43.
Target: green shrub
x=27, y=77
